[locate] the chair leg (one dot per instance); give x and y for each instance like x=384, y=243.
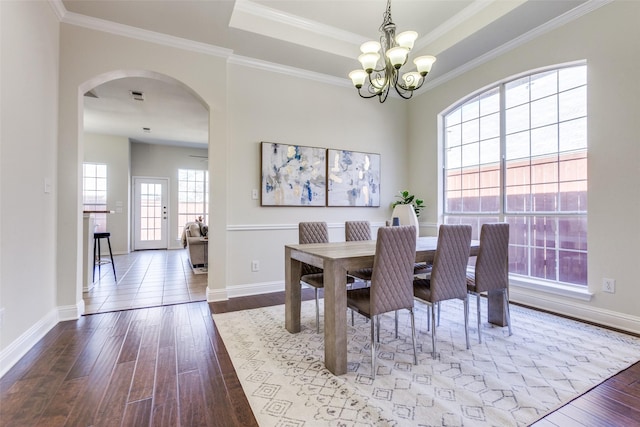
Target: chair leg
x=378, y=327
x=317, y=312
x=438, y=303
x=112, y=263
x=478, y=307
x=396, y=315
x=506, y=307
x=466, y=320
x=373, y=350
x=99, y=263
x=413, y=337
x=352, y=321
x=433, y=332
x=428, y=317
x=93, y=278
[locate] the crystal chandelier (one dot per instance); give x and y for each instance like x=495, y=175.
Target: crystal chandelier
x=378, y=79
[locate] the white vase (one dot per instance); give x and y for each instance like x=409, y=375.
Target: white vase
x=407, y=216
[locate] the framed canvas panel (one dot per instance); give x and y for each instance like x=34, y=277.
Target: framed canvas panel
x=354, y=178
x=293, y=175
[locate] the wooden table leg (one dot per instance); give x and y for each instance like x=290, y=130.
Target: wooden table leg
x=335, y=317
x=495, y=305
x=292, y=292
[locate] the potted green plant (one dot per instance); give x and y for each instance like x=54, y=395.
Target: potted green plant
x=405, y=198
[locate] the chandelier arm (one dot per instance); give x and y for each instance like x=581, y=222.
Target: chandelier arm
x=366, y=96
x=401, y=91
x=383, y=95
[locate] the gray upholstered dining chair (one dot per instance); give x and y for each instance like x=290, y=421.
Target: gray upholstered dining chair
x=492, y=267
x=314, y=232
x=357, y=231
x=391, y=282
x=448, y=278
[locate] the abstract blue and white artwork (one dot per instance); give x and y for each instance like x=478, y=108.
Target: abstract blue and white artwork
x=293, y=175
x=354, y=178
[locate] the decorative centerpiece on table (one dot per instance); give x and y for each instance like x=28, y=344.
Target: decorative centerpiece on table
x=407, y=209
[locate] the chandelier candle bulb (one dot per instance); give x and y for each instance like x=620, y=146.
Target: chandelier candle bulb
x=406, y=39
x=424, y=63
x=370, y=47
x=369, y=61
x=397, y=56
x=358, y=77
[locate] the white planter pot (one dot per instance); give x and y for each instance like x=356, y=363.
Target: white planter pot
x=407, y=216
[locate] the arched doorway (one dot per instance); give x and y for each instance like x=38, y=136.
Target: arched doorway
x=143, y=127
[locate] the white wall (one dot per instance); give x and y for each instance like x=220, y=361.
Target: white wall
x=29, y=93
x=274, y=107
x=161, y=161
x=609, y=39
x=114, y=152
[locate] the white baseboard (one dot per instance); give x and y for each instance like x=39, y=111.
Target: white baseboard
x=576, y=309
x=255, y=289
x=18, y=348
x=214, y=295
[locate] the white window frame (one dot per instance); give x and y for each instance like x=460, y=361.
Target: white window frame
x=95, y=191
x=192, y=191
x=531, y=282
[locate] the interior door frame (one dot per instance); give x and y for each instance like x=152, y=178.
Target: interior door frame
x=135, y=210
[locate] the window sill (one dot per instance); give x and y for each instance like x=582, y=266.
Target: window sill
x=562, y=289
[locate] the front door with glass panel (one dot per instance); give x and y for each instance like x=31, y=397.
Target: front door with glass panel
x=150, y=213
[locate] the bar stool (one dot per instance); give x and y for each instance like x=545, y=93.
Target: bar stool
x=96, y=256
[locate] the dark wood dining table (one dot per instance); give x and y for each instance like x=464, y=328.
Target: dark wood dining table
x=336, y=259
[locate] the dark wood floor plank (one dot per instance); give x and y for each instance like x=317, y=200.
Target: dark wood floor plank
x=185, y=349
x=138, y=413
x=145, y=372
x=131, y=345
x=605, y=403
x=60, y=406
x=93, y=347
x=192, y=400
x=165, y=403
x=111, y=409
x=84, y=411
x=167, y=333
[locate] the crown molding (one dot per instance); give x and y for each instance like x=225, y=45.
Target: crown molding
x=289, y=20
x=144, y=35
x=561, y=20
x=287, y=70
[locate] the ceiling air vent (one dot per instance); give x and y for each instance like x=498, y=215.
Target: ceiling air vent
x=137, y=95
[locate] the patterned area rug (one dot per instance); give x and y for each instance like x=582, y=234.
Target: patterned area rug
x=505, y=381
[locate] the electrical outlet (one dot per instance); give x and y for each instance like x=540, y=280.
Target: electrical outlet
x=255, y=265
x=254, y=194
x=609, y=285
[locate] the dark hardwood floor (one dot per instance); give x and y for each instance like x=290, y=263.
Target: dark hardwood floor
x=168, y=366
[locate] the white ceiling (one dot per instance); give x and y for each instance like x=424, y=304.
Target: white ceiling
x=322, y=36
